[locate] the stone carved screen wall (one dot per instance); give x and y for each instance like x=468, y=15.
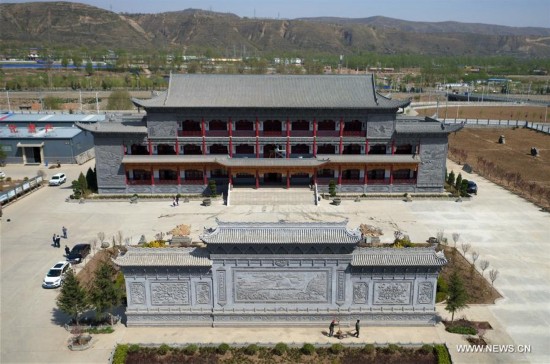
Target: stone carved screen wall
x=278, y=286
x=163, y=294
x=392, y=293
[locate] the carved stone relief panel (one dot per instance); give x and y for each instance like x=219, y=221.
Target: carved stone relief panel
x=170, y=293
x=222, y=289
x=425, y=292
x=202, y=290
x=392, y=293
x=360, y=292
x=137, y=293
x=341, y=286
x=278, y=286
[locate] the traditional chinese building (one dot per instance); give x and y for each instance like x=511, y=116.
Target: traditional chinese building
x=259, y=130
x=283, y=273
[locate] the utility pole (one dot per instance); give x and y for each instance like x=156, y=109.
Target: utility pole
x=8, y=96
x=97, y=103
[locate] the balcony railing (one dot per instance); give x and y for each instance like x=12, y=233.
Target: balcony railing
x=189, y=133
x=166, y=181
x=192, y=181
x=301, y=133
x=217, y=133
x=328, y=133
x=139, y=182
x=354, y=181
x=356, y=133
x=404, y=181
x=273, y=133
x=244, y=133
x=385, y=181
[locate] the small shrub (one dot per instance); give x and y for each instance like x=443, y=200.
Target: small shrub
x=391, y=349
x=134, y=348
x=336, y=348
x=308, y=349
x=222, y=348
x=121, y=353
x=369, y=349
x=8, y=179
x=103, y=330
x=440, y=296
x=190, y=349
x=463, y=330
x=442, y=355
x=26, y=179
x=426, y=349
x=280, y=349
x=332, y=188
x=163, y=349
x=251, y=349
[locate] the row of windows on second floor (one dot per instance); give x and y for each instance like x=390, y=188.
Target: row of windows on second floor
x=271, y=150
x=327, y=127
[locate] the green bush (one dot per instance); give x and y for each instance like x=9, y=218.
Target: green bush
x=332, y=188
x=121, y=353
x=103, y=330
x=463, y=330
x=369, y=349
x=163, y=349
x=134, y=348
x=280, y=349
x=308, y=349
x=190, y=349
x=426, y=349
x=222, y=348
x=391, y=349
x=251, y=349
x=442, y=285
x=442, y=355
x=336, y=348
x=440, y=296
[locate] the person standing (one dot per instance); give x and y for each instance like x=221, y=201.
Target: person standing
x=331, y=328
x=54, y=240
x=58, y=241
x=177, y=200
x=64, y=230
x=67, y=250
x=357, y=327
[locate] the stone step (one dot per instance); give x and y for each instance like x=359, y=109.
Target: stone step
x=271, y=196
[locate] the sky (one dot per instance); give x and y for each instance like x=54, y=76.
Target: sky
x=517, y=13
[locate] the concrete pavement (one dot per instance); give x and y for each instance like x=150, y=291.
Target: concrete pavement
x=506, y=230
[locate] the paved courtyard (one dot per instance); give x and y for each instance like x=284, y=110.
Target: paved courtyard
x=509, y=232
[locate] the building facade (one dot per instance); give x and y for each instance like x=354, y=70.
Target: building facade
x=271, y=130
x=282, y=273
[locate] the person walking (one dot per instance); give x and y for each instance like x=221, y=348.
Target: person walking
x=331, y=328
x=357, y=327
x=67, y=250
x=64, y=230
x=58, y=241
x=54, y=240
x=177, y=200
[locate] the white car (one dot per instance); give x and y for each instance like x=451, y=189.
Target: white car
x=58, y=179
x=2, y=174
x=56, y=274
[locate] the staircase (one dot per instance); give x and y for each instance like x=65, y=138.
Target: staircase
x=271, y=196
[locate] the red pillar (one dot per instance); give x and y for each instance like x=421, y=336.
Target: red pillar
x=230, y=128
x=314, y=137
x=393, y=147
x=257, y=127
x=314, y=127
x=287, y=127
x=150, y=147
x=230, y=147
x=257, y=148
x=177, y=147
x=288, y=179
x=367, y=146
x=341, y=146
x=314, y=147
x=179, y=177
x=203, y=128
x=339, y=175
x=365, y=176
x=152, y=177
x=288, y=138
x=257, y=179
x=204, y=179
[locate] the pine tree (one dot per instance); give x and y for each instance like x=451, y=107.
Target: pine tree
x=104, y=294
x=458, y=183
x=451, y=178
x=91, y=180
x=72, y=299
x=457, y=295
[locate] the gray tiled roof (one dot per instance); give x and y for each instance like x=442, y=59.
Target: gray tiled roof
x=163, y=257
x=281, y=232
x=377, y=257
x=160, y=159
x=369, y=158
x=428, y=125
x=271, y=91
x=110, y=127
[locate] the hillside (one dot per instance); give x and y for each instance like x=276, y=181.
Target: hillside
x=62, y=24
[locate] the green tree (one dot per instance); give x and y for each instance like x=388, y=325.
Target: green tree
x=451, y=178
x=193, y=67
x=65, y=62
x=104, y=294
x=332, y=188
x=458, y=182
x=77, y=61
x=72, y=299
x=52, y=103
x=457, y=295
x=212, y=187
x=89, y=68
x=119, y=100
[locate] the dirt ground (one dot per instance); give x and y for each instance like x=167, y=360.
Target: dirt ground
x=478, y=288
x=517, y=112
x=514, y=156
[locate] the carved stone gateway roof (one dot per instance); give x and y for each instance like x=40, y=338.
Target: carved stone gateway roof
x=281, y=232
x=163, y=257
x=381, y=257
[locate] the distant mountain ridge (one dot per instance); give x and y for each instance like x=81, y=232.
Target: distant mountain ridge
x=72, y=25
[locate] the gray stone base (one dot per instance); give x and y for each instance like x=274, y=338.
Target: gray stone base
x=302, y=318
